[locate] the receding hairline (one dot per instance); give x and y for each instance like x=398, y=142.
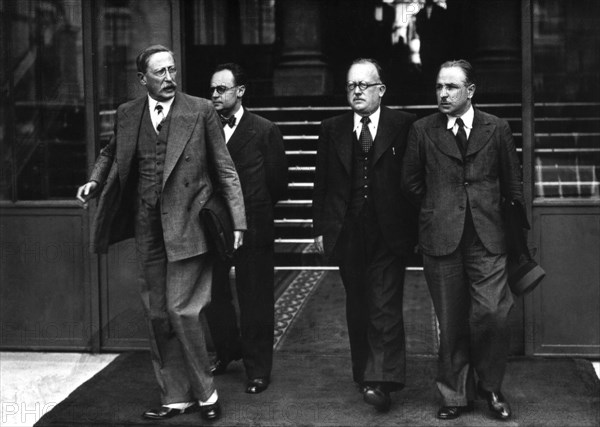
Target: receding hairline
x=367, y=61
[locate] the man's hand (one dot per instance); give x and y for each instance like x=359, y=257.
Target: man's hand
x=238, y=239
x=319, y=244
x=85, y=192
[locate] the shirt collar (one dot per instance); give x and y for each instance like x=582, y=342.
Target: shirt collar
x=374, y=121
x=238, y=115
x=467, y=119
x=166, y=105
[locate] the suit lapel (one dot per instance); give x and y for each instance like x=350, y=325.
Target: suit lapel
x=183, y=121
x=243, y=133
x=443, y=138
x=480, y=134
x=127, y=135
x=343, y=138
x=384, y=137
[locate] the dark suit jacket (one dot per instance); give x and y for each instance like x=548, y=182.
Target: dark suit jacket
x=257, y=150
x=195, y=139
x=445, y=185
x=395, y=214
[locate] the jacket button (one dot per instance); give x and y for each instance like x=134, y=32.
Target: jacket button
x=187, y=158
x=466, y=183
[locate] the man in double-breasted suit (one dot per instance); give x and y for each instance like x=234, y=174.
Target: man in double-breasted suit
x=459, y=165
x=256, y=147
x=153, y=179
x=365, y=225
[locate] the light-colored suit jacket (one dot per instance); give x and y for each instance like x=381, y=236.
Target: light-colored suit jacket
x=195, y=140
x=445, y=185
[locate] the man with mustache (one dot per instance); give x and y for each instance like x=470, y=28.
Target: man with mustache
x=153, y=179
x=460, y=164
x=364, y=224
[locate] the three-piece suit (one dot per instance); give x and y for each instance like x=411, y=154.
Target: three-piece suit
x=368, y=228
x=153, y=185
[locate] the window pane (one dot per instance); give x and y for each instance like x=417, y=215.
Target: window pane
x=210, y=22
x=257, y=21
x=43, y=115
x=567, y=91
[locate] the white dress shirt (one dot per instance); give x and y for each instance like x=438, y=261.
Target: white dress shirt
x=229, y=130
x=156, y=119
x=467, y=119
x=373, y=124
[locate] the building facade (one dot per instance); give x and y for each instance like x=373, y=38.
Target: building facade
x=67, y=64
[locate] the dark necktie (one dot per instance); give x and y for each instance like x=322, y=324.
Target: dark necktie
x=228, y=121
x=161, y=117
x=366, y=140
x=461, y=136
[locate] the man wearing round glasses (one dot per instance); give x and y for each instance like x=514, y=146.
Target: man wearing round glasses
x=256, y=147
x=152, y=183
x=363, y=223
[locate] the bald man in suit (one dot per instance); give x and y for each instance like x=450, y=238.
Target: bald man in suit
x=366, y=226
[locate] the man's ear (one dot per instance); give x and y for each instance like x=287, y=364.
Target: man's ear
x=241, y=90
x=142, y=78
x=471, y=91
x=382, y=89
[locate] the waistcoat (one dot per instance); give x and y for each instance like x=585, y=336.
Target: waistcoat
x=151, y=152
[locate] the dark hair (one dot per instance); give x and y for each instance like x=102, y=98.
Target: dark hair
x=374, y=63
x=142, y=59
x=239, y=75
x=463, y=65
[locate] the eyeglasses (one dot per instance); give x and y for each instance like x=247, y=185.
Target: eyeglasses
x=221, y=89
x=350, y=86
x=163, y=72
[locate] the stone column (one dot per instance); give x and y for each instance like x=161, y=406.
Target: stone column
x=301, y=71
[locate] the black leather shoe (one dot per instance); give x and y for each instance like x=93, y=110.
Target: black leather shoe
x=378, y=396
x=453, y=412
x=164, y=412
x=220, y=366
x=257, y=385
x=210, y=412
x=496, y=403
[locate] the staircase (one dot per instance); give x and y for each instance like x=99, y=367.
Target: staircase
x=567, y=163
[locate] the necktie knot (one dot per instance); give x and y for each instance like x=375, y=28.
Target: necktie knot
x=228, y=121
x=460, y=123
x=366, y=139
x=160, y=115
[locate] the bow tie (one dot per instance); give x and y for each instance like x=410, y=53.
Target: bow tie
x=228, y=121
